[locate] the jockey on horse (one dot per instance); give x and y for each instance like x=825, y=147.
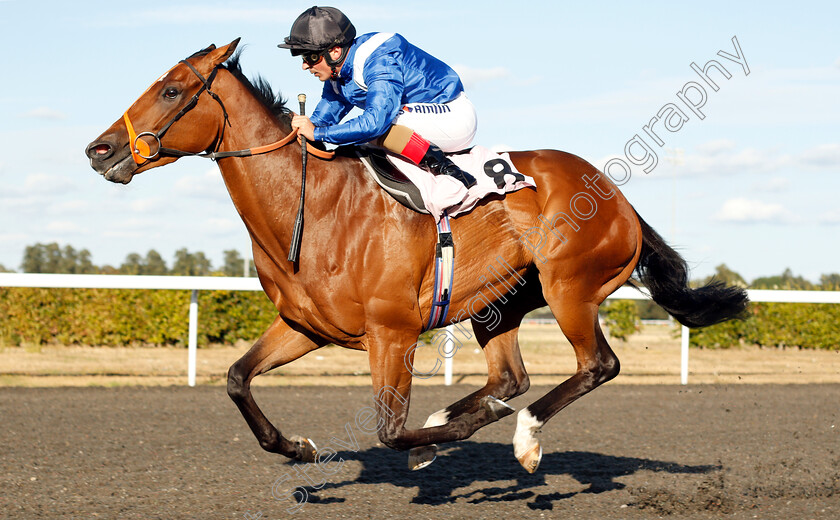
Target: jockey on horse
x=414, y=104
x=368, y=287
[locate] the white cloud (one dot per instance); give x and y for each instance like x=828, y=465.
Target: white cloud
x=824, y=155
x=137, y=223
x=830, y=217
x=716, y=147
x=732, y=161
x=183, y=15
x=12, y=237
x=20, y=203
x=220, y=226
x=120, y=234
x=65, y=226
x=472, y=77
x=140, y=228
x=146, y=205
x=46, y=184
x=767, y=97
x=44, y=113
x=723, y=157
x=606, y=107
x=76, y=207
x=773, y=185
x=207, y=185
x=745, y=211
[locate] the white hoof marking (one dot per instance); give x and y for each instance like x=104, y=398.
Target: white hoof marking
x=524, y=439
x=439, y=418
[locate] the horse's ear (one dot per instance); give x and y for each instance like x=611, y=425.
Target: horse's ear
x=215, y=56
x=221, y=54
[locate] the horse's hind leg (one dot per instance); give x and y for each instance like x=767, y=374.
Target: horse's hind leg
x=392, y=390
x=506, y=379
x=596, y=364
x=278, y=345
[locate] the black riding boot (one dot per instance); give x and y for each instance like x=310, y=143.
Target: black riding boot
x=439, y=164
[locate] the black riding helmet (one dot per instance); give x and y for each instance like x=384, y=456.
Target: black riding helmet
x=319, y=29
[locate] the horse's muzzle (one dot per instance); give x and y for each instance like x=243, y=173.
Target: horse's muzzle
x=110, y=161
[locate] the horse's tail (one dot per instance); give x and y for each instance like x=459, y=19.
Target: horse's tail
x=665, y=273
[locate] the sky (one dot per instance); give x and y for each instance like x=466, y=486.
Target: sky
x=752, y=184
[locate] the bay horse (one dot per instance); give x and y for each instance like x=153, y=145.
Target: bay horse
x=365, y=274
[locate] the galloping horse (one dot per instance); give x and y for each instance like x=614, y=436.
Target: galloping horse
x=365, y=275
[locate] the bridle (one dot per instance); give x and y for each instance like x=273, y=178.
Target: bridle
x=142, y=152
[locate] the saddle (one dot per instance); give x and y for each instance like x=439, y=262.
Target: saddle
x=495, y=175
x=390, y=178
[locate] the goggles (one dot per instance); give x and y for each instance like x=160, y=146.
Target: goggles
x=312, y=58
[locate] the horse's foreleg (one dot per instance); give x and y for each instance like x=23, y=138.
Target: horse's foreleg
x=506, y=379
x=279, y=345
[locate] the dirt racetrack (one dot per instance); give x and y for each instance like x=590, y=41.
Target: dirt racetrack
x=634, y=452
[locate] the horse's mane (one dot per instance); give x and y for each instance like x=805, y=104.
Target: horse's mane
x=261, y=89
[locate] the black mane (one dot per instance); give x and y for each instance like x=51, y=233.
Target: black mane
x=261, y=90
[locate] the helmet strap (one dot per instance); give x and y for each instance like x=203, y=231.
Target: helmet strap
x=335, y=65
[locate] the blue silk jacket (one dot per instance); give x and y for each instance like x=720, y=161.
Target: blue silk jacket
x=381, y=73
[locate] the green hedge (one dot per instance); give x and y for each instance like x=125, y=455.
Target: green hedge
x=113, y=317
x=802, y=325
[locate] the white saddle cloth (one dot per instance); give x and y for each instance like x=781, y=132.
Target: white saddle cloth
x=494, y=173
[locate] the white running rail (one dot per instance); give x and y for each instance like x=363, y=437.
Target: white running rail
x=215, y=283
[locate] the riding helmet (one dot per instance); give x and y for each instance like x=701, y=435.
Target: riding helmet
x=319, y=29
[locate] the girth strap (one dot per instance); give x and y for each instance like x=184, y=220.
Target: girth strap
x=444, y=274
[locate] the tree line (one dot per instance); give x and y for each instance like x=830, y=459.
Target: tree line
x=781, y=325
x=146, y=317
x=786, y=281
x=52, y=258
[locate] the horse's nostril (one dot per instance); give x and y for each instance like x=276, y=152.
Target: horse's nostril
x=100, y=151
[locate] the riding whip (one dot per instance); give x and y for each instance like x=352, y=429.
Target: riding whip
x=294, y=248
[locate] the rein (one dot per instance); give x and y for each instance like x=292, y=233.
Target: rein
x=142, y=152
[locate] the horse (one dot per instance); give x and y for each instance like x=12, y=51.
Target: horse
x=365, y=273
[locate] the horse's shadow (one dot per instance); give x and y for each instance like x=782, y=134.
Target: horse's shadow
x=460, y=466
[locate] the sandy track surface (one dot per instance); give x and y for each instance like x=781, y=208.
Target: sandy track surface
x=649, y=357
x=634, y=452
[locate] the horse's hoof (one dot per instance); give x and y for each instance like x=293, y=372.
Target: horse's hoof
x=531, y=460
x=420, y=457
x=496, y=408
x=526, y=446
x=305, y=448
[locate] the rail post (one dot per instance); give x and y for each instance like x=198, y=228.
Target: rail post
x=193, y=338
x=684, y=354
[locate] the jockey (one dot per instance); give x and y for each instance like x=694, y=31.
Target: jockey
x=414, y=104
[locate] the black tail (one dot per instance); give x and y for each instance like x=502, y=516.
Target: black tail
x=665, y=273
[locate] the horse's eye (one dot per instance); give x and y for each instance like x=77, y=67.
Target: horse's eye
x=170, y=93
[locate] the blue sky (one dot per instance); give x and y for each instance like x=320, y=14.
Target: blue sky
x=753, y=184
